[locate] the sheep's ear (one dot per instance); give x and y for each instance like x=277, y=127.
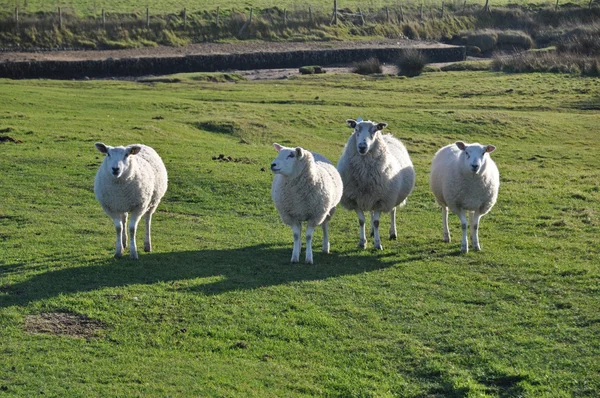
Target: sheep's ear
x=133, y=149
x=277, y=146
x=490, y=148
x=381, y=126
x=351, y=123
x=299, y=152
x=461, y=145
x=101, y=147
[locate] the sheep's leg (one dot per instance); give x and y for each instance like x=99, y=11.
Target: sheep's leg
x=376, y=237
x=393, y=232
x=445, y=224
x=117, y=220
x=362, y=243
x=124, y=224
x=372, y=233
x=309, y=234
x=325, y=227
x=147, y=240
x=474, y=218
x=464, y=225
x=297, y=229
x=134, y=219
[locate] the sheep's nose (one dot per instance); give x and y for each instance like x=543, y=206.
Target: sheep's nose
x=116, y=170
x=474, y=167
x=362, y=147
x=273, y=165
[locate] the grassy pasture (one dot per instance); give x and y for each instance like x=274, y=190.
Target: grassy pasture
x=216, y=309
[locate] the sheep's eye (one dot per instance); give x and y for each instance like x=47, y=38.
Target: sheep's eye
x=291, y=155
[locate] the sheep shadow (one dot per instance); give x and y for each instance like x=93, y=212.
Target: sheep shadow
x=230, y=269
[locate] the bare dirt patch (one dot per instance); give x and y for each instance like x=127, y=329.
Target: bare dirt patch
x=64, y=324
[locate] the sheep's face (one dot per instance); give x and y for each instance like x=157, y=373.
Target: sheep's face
x=365, y=133
x=474, y=156
x=285, y=162
x=117, y=159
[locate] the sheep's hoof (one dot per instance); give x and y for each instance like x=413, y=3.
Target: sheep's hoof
x=378, y=246
x=362, y=244
x=476, y=248
x=326, y=248
x=393, y=237
x=147, y=248
x=309, y=261
x=464, y=249
x=134, y=256
x=118, y=255
x=294, y=260
x=447, y=238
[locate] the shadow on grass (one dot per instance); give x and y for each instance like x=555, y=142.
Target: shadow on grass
x=238, y=269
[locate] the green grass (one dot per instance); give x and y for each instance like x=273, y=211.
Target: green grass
x=217, y=310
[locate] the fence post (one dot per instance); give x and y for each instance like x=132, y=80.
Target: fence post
x=362, y=18
x=401, y=13
x=60, y=24
x=285, y=17
x=147, y=17
x=103, y=20
x=17, y=17
x=387, y=14
x=218, y=15
x=464, y=6
x=421, y=12
x=335, y=12
x=247, y=23
x=184, y=18
x=590, y=5
x=486, y=7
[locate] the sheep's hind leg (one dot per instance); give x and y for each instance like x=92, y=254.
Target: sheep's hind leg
x=376, y=237
x=309, y=234
x=372, y=233
x=464, y=225
x=474, y=218
x=124, y=224
x=147, y=239
x=445, y=224
x=362, y=243
x=134, y=219
x=297, y=229
x=119, y=226
x=325, y=227
x=393, y=232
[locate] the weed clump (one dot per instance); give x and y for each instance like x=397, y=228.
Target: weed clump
x=311, y=70
x=367, y=67
x=411, y=63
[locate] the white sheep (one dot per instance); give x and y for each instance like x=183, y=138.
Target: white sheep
x=378, y=175
x=306, y=187
x=465, y=178
x=131, y=179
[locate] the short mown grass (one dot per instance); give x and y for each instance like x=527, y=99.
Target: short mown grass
x=217, y=310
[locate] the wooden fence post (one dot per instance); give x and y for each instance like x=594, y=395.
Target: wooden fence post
x=218, y=14
x=335, y=12
x=362, y=18
x=285, y=17
x=401, y=13
x=103, y=20
x=442, y=8
x=421, y=12
x=486, y=7
x=60, y=24
x=464, y=6
x=590, y=5
x=247, y=23
x=147, y=17
x=17, y=17
x=387, y=14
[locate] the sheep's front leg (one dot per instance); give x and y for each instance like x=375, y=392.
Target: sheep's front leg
x=147, y=240
x=474, y=218
x=372, y=233
x=376, y=237
x=362, y=243
x=117, y=220
x=309, y=234
x=463, y=224
x=134, y=219
x=124, y=224
x=325, y=227
x=445, y=224
x=393, y=232
x=297, y=230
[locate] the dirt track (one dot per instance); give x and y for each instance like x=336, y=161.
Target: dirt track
x=208, y=48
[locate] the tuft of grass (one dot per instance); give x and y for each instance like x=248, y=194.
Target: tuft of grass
x=552, y=62
x=411, y=63
x=467, y=66
x=367, y=67
x=311, y=70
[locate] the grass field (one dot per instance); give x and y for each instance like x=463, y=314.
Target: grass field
x=217, y=310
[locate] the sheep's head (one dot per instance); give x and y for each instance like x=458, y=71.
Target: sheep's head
x=287, y=159
x=474, y=156
x=366, y=132
x=117, y=160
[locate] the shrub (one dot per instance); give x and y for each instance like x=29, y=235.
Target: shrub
x=312, y=69
x=411, y=63
x=367, y=67
x=484, y=39
x=510, y=39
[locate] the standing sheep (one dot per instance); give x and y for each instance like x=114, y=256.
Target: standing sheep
x=378, y=175
x=464, y=178
x=306, y=187
x=131, y=179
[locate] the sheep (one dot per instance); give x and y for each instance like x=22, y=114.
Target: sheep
x=378, y=175
x=465, y=178
x=306, y=187
x=131, y=179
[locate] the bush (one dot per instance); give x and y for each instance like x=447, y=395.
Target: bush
x=367, y=67
x=312, y=69
x=510, y=39
x=411, y=63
